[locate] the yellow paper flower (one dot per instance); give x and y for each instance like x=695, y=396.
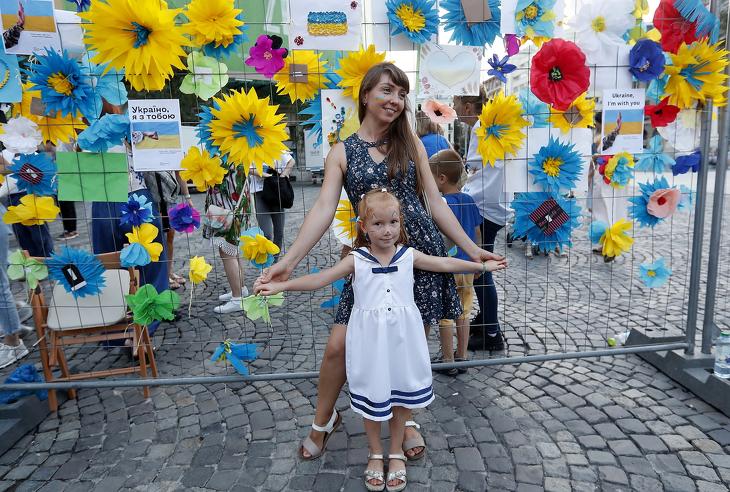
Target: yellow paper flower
x=212, y=21
x=353, y=68
x=55, y=128
x=145, y=235
x=500, y=128
x=697, y=73
x=247, y=129
x=257, y=248
x=312, y=69
x=615, y=241
x=578, y=115
x=619, y=170
x=199, y=269
x=205, y=171
x=32, y=210
x=139, y=36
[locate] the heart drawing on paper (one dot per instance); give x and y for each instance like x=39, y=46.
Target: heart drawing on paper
x=451, y=71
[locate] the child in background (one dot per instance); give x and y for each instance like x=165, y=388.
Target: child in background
x=447, y=169
x=388, y=368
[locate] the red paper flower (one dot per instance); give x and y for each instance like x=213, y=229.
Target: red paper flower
x=661, y=114
x=559, y=73
x=675, y=29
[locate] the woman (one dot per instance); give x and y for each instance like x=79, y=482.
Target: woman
x=270, y=218
x=384, y=152
x=431, y=134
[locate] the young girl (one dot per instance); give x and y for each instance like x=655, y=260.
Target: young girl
x=387, y=359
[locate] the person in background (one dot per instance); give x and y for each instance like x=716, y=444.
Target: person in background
x=270, y=219
x=431, y=134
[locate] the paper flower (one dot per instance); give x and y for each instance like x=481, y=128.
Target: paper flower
x=235, y=353
x=687, y=199
x=654, y=274
x=500, y=68
x=547, y=220
x=248, y=130
x=697, y=72
x=438, y=112
x=597, y=230
x=578, y=115
x=108, y=82
x=534, y=110
x=35, y=174
x=302, y=76
x=500, y=128
x=464, y=33
x=64, y=88
x=257, y=306
x=105, y=132
x=653, y=158
x=148, y=305
x=206, y=78
x=599, y=28
x=417, y=19
x=344, y=224
x=314, y=112
x=686, y=163
x=145, y=235
x=32, y=210
x=656, y=202
x=615, y=240
x=661, y=114
x=693, y=23
x=353, y=67
x=136, y=211
x=216, y=26
x=511, y=44
x=134, y=255
x=556, y=166
x=646, y=60
x=21, y=135
x=80, y=272
x=54, y=127
x=655, y=90
x=683, y=133
x=559, y=73
x=535, y=18
x=618, y=170
x=184, y=218
x=204, y=171
x=199, y=269
x=257, y=248
x=22, y=267
x=266, y=56
x=138, y=36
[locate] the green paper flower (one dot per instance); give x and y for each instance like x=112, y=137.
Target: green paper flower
x=148, y=306
x=206, y=78
x=257, y=306
x=23, y=267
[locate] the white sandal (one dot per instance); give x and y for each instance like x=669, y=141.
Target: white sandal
x=374, y=475
x=329, y=429
x=397, y=475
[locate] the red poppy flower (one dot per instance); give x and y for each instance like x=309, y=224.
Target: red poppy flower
x=559, y=73
x=661, y=114
x=675, y=29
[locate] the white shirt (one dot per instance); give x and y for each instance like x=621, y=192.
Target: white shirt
x=486, y=185
x=256, y=183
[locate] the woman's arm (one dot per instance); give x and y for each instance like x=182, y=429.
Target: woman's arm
x=289, y=166
x=313, y=281
x=429, y=263
x=184, y=188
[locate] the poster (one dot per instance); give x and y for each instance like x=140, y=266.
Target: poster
x=313, y=158
x=622, y=121
x=10, y=90
x=449, y=70
x=156, y=134
x=339, y=118
x=29, y=25
x=326, y=25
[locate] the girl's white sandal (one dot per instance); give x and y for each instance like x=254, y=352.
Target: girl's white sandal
x=374, y=475
x=399, y=475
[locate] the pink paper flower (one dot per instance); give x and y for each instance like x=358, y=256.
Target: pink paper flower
x=511, y=44
x=663, y=203
x=266, y=55
x=438, y=112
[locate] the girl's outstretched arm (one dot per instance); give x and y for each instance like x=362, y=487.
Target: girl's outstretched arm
x=313, y=281
x=429, y=263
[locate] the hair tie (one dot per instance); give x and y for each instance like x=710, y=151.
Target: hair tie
x=362, y=195
x=384, y=190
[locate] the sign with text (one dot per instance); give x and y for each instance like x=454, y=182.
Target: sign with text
x=156, y=139
x=623, y=121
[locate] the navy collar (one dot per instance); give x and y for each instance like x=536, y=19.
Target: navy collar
x=383, y=269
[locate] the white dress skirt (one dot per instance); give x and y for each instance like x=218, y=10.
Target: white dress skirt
x=386, y=351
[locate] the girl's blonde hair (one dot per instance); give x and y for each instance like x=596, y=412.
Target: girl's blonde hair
x=371, y=200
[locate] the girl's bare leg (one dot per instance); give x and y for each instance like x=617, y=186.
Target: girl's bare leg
x=397, y=432
x=372, y=429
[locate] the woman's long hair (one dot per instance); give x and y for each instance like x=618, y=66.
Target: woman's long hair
x=370, y=200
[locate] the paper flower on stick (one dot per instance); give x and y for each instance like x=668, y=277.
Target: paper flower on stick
x=656, y=202
x=559, y=73
x=556, y=166
x=105, y=132
x=697, y=72
x=35, y=174
x=646, y=60
x=578, y=115
x=418, y=20
x=216, y=26
x=500, y=128
x=134, y=255
x=618, y=170
x=235, y=353
x=21, y=267
x=545, y=219
x=145, y=235
x=684, y=21
x=615, y=239
x=302, y=76
x=654, y=274
x=534, y=110
x=353, y=67
x=535, y=18
x=466, y=33
x=314, y=112
x=661, y=114
x=653, y=158
x=687, y=163
x=500, y=68
x=148, y=305
x=136, y=211
x=199, y=269
x=257, y=248
x=257, y=306
x=184, y=218
x=438, y=112
x=266, y=56
x=80, y=272
x=206, y=78
x=204, y=171
x=600, y=27
x=32, y=210
x=21, y=136
x=53, y=126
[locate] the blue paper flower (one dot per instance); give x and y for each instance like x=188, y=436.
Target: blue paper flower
x=654, y=159
x=108, y=82
x=35, y=174
x=687, y=198
x=655, y=90
x=534, y=109
x=314, y=111
x=654, y=274
x=184, y=218
x=80, y=272
x=646, y=60
x=535, y=18
x=477, y=34
x=235, y=353
x=134, y=255
x=63, y=85
x=686, y=163
x=556, y=166
x=708, y=25
x=220, y=52
x=500, y=67
x=596, y=231
x=545, y=219
x=417, y=19
x=108, y=131
x=637, y=209
x=136, y=211
x=204, y=131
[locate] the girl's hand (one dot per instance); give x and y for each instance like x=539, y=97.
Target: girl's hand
x=268, y=289
x=494, y=265
x=278, y=272
x=481, y=255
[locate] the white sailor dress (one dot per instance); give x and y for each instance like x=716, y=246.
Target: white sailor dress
x=386, y=351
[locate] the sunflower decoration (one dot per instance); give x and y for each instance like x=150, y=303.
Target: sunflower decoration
x=578, y=115
x=344, y=225
x=656, y=202
x=204, y=170
x=35, y=173
x=353, y=68
x=556, y=166
x=547, y=220
x=79, y=272
x=53, y=126
x=470, y=33
x=302, y=76
x=697, y=73
x=559, y=73
x=32, y=210
x=500, y=128
x=256, y=248
x=418, y=20
x=247, y=130
x=215, y=26
x=139, y=36
x=617, y=170
x=535, y=19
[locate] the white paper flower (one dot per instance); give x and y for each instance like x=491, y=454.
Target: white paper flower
x=684, y=132
x=21, y=136
x=599, y=28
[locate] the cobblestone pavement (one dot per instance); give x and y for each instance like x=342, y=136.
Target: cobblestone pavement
x=613, y=423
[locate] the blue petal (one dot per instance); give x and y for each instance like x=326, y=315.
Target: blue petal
x=35, y=174
x=89, y=266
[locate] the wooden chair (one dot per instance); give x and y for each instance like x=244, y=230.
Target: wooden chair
x=91, y=319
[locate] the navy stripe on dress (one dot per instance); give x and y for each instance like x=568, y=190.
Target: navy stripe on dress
x=395, y=393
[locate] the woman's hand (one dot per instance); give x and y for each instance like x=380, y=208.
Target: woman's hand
x=481, y=255
x=278, y=272
x=268, y=289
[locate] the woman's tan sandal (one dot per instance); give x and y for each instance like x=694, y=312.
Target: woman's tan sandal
x=399, y=475
x=414, y=442
x=374, y=475
x=329, y=429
